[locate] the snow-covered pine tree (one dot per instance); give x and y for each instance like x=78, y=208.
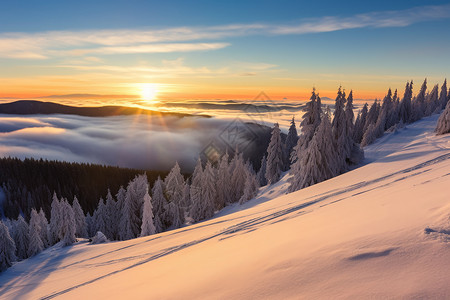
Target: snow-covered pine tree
x=208, y=192
x=147, y=227
x=372, y=115
x=290, y=143
x=251, y=185
x=43, y=228
x=158, y=204
x=223, y=183
x=100, y=218
x=359, y=124
x=66, y=231
x=405, y=110
x=274, y=156
x=443, y=96
x=110, y=217
x=419, y=103
x=174, y=185
x=80, y=219
x=55, y=220
x=387, y=108
x=261, y=175
x=35, y=244
x=120, y=196
x=131, y=219
x=237, y=166
x=309, y=124
x=319, y=160
x=186, y=202
x=339, y=129
x=443, y=123
x=432, y=101
x=21, y=237
x=369, y=136
x=90, y=225
x=7, y=248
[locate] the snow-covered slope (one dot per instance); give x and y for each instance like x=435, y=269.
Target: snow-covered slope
x=380, y=231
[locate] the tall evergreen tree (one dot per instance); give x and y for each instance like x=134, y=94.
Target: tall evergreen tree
x=131, y=219
x=208, y=191
x=443, y=124
x=55, y=220
x=237, y=166
x=158, y=205
x=21, y=237
x=359, y=124
x=290, y=143
x=309, y=124
x=174, y=186
x=261, y=176
x=339, y=129
x=319, y=160
x=43, y=228
x=223, y=183
x=196, y=191
x=66, y=232
x=7, y=248
x=80, y=219
x=147, y=227
x=432, y=101
x=274, y=156
x=251, y=185
x=405, y=111
x=419, y=103
x=100, y=218
x=110, y=217
x=35, y=244
x=443, y=96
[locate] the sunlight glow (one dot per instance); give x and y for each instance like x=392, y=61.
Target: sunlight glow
x=149, y=92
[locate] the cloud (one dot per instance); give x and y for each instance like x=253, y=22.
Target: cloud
x=127, y=141
x=44, y=45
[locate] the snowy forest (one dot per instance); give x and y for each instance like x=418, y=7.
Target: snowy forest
x=329, y=143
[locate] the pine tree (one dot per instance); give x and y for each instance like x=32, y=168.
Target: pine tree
x=443, y=124
x=43, y=224
x=432, y=101
x=419, y=103
x=223, y=183
x=7, y=248
x=443, y=97
x=237, y=166
x=372, y=115
x=359, y=124
x=120, y=196
x=100, y=218
x=21, y=237
x=274, y=156
x=251, y=185
x=35, y=244
x=405, y=111
x=80, y=219
x=55, y=220
x=319, y=160
x=110, y=217
x=261, y=176
x=147, y=227
x=90, y=225
x=369, y=136
x=339, y=129
x=131, y=219
x=174, y=185
x=66, y=232
x=309, y=124
x=291, y=141
x=158, y=204
x=208, y=192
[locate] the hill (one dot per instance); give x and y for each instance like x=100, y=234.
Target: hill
x=32, y=107
x=379, y=231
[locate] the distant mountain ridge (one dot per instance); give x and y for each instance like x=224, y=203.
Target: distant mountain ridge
x=32, y=107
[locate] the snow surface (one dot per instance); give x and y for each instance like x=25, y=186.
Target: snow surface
x=379, y=231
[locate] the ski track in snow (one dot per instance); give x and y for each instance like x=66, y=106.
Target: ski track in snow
x=255, y=223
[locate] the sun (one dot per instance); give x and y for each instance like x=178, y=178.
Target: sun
x=149, y=91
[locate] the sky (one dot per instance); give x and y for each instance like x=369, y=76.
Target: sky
x=179, y=50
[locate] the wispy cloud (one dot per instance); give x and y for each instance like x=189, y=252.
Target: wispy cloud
x=181, y=39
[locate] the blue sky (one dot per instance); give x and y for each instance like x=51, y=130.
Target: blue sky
x=232, y=49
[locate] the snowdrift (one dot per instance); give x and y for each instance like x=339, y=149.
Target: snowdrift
x=379, y=231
